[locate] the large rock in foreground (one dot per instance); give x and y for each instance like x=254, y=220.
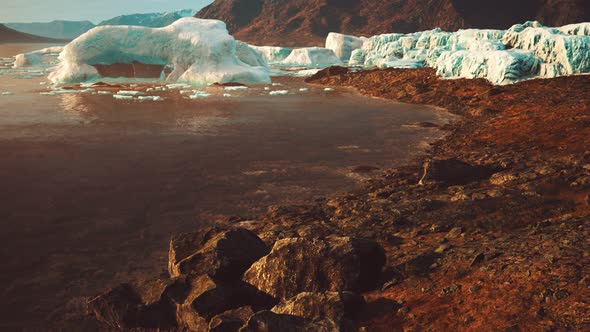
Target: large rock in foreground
x=223, y=255
x=297, y=265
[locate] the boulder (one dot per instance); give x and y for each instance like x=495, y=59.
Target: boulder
x=267, y=321
x=297, y=265
x=231, y=320
x=118, y=308
x=207, y=298
x=453, y=172
x=339, y=307
x=224, y=255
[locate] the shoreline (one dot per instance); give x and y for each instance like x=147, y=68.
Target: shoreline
x=491, y=233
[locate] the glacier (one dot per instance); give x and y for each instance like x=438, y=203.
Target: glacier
x=312, y=57
x=522, y=52
x=200, y=52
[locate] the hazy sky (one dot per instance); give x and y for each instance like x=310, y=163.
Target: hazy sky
x=92, y=10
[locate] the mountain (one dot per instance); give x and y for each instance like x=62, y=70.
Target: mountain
x=306, y=22
x=8, y=35
x=56, y=29
x=153, y=20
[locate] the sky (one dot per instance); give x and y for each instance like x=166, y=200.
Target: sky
x=12, y=11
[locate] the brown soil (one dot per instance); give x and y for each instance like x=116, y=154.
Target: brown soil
x=305, y=22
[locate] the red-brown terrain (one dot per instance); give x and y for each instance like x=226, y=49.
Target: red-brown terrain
x=8, y=35
x=307, y=22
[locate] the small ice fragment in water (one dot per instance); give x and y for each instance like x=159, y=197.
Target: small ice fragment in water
x=120, y=97
x=150, y=98
x=200, y=94
x=304, y=89
x=105, y=93
x=6, y=93
x=235, y=88
x=328, y=89
x=178, y=86
x=266, y=88
x=186, y=92
x=279, y=93
x=276, y=84
x=130, y=93
x=227, y=95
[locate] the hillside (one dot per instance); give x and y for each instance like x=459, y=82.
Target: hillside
x=8, y=35
x=304, y=22
x=56, y=29
x=153, y=20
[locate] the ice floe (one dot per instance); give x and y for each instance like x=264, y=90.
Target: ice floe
x=200, y=51
x=279, y=93
x=34, y=58
x=312, y=57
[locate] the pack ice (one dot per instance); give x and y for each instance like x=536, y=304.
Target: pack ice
x=199, y=51
x=501, y=56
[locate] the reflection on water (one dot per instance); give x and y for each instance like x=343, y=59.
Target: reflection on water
x=73, y=107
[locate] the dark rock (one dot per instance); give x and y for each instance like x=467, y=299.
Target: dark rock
x=297, y=265
x=339, y=307
x=224, y=255
x=230, y=321
x=483, y=111
x=420, y=265
x=119, y=307
x=267, y=321
x=454, y=233
x=207, y=298
x=477, y=259
x=330, y=71
x=454, y=172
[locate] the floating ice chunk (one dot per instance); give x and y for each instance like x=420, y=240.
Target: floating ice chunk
x=122, y=97
x=250, y=55
x=149, y=90
x=235, y=88
x=306, y=72
x=227, y=95
x=279, y=93
x=304, y=89
x=150, y=98
x=200, y=51
x=266, y=88
x=498, y=67
x=105, y=93
x=130, y=93
x=186, y=92
x=200, y=94
x=312, y=57
x=276, y=84
x=6, y=93
x=273, y=54
x=178, y=86
x=343, y=45
x=35, y=58
x=328, y=89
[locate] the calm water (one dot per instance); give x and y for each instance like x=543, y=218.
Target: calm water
x=92, y=188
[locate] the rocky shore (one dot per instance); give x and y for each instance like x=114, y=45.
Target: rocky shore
x=489, y=232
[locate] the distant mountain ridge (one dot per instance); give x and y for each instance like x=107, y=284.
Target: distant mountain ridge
x=55, y=29
x=8, y=35
x=306, y=22
x=68, y=30
x=153, y=20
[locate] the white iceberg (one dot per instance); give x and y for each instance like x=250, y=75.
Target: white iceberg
x=312, y=57
x=199, y=51
x=35, y=58
x=273, y=54
x=250, y=55
x=343, y=45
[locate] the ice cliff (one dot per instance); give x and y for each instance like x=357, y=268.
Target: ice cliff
x=199, y=51
x=500, y=56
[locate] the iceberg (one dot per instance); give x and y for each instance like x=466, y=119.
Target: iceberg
x=35, y=58
x=312, y=57
x=250, y=55
x=273, y=54
x=200, y=52
x=343, y=45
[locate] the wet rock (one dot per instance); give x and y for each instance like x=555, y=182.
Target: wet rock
x=267, y=321
x=118, y=308
x=224, y=255
x=454, y=233
x=297, y=265
x=231, y=320
x=207, y=298
x=339, y=307
x=453, y=172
